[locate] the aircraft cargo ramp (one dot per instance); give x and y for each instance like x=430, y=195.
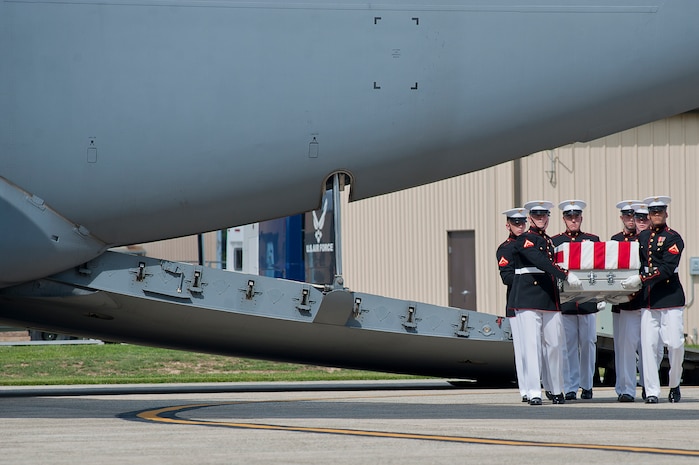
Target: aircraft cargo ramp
x=126, y=298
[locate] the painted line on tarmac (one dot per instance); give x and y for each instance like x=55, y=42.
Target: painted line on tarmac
x=169, y=415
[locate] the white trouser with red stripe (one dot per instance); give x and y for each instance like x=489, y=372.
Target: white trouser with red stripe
x=628, y=345
x=580, y=350
x=519, y=361
x=658, y=328
x=617, y=363
x=542, y=339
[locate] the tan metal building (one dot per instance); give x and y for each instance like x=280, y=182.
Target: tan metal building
x=186, y=249
x=399, y=245
x=436, y=243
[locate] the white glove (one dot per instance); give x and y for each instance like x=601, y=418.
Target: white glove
x=632, y=282
x=601, y=305
x=573, y=281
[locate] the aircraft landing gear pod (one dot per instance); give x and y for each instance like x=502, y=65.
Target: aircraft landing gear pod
x=41, y=241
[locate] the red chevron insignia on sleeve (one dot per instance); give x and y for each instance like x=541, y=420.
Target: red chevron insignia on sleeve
x=528, y=243
x=503, y=262
x=674, y=250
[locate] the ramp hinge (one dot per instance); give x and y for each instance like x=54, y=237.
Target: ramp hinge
x=140, y=271
x=410, y=323
x=196, y=283
x=463, y=327
x=356, y=310
x=610, y=278
x=304, y=304
x=250, y=292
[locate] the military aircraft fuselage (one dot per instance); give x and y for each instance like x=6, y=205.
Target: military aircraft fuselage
x=128, y=121
x=144, y=120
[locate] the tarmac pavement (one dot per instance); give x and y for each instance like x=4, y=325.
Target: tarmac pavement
x=385, y=422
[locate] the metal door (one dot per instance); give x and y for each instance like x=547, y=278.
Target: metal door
x=462, y=269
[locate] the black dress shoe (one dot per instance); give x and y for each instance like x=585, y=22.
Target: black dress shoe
x=535, y=401
x=525, y=399
x=586, y=394
x=571, y=395
x=675, y=395
x=559, y=399
x=651, y=400
x=625, y=398
x=549, y=395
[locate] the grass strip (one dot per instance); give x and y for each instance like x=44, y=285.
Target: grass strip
x=123, y=363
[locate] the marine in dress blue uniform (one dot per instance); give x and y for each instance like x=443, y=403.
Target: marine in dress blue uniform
x=627, y=336
x=579, y=321
x=516, y=224
x=534, y=297
x=663, y=300
x=627, y=234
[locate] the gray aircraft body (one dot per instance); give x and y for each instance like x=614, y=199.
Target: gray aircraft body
x=125, y=122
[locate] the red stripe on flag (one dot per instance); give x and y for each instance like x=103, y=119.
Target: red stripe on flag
x=574, y=256
x=600, y=255
x=560, y=257
x=624, y=255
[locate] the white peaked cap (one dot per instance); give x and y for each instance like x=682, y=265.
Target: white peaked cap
x=544, y=205
x=640, y=208
x=568, y=205
x=519, y=212
x=657, y=201
x=627, y=204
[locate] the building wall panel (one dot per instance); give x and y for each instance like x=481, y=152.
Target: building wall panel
x=413, y=257
x=185, y=249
